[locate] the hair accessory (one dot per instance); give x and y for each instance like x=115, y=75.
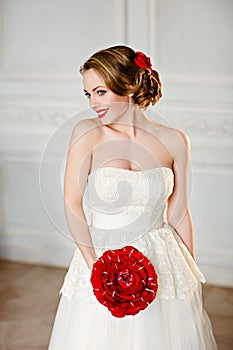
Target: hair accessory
x=142, y=61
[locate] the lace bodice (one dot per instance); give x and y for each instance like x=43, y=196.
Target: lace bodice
x=112, y=189
x=127, y=208
x=132, y=201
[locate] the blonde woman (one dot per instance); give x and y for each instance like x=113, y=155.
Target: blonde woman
x=135, y=171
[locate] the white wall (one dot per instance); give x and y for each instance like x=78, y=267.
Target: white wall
x=43, y=44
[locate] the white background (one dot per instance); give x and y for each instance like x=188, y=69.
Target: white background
x=42, y=45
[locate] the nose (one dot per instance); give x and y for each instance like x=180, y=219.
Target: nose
x=93, y=102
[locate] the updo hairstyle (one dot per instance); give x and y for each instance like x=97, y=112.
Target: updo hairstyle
x=122, y=76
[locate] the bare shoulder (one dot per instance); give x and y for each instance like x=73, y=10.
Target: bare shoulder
x=181, y=138
x=182, y=149
x=180, y=144
x=85, y=125
x=86, y=128
x=173, y=134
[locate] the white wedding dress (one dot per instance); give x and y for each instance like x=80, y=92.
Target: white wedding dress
x=128, y=208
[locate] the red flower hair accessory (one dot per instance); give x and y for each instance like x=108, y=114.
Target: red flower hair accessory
x=124, y=280
x=142, y=61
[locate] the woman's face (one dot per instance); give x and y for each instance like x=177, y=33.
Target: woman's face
x=108, y=105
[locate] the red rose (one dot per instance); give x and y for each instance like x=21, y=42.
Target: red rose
x=142, y=61
x=124, y=280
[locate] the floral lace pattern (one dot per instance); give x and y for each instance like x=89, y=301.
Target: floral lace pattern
x=178, y=273
x=117, y=190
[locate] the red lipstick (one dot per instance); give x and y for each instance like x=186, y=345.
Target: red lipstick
x=102, y=112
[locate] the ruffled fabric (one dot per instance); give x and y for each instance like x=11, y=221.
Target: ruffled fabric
x=178, y=273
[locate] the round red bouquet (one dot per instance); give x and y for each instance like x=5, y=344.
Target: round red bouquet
x=124, y=280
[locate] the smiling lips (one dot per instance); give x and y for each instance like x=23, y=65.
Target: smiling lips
x=102, y=112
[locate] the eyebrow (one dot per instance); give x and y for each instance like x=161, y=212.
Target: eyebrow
x=99, y=86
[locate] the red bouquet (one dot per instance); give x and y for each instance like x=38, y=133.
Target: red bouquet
x=124, y=280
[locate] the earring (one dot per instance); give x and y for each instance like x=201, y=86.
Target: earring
x=130, y=95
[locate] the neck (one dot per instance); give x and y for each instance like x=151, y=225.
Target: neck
x=127, y=122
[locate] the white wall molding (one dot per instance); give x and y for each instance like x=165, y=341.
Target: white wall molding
x=121, y=20
x=46, y=247
x=154, y=35
x=202, y=122
x=41, y=89
x=34, y=117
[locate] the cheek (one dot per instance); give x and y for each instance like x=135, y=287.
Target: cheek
x=116, y=98
x=118, y=105
x=123, y=99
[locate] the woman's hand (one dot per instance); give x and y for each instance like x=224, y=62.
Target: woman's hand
x=90, y=265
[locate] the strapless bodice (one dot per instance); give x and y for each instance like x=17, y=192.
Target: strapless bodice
x=124, y=203
x=127, y=208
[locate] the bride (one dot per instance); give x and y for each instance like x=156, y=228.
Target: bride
x=135, y=170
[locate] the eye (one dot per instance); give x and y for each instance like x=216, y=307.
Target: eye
x=101, y=92
x=87, y=95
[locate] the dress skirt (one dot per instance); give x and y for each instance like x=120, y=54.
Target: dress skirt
x=175, y=320
x=173, y=324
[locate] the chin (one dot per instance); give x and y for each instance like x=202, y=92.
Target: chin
x=105, y=122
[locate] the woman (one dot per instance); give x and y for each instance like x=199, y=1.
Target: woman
x=133, y=168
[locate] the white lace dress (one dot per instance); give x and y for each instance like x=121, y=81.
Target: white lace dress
x=127, y=208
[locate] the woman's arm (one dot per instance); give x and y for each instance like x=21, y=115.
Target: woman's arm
x=178, y=212
x=78, y=166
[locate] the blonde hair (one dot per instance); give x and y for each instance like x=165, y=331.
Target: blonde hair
x=122, y=76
